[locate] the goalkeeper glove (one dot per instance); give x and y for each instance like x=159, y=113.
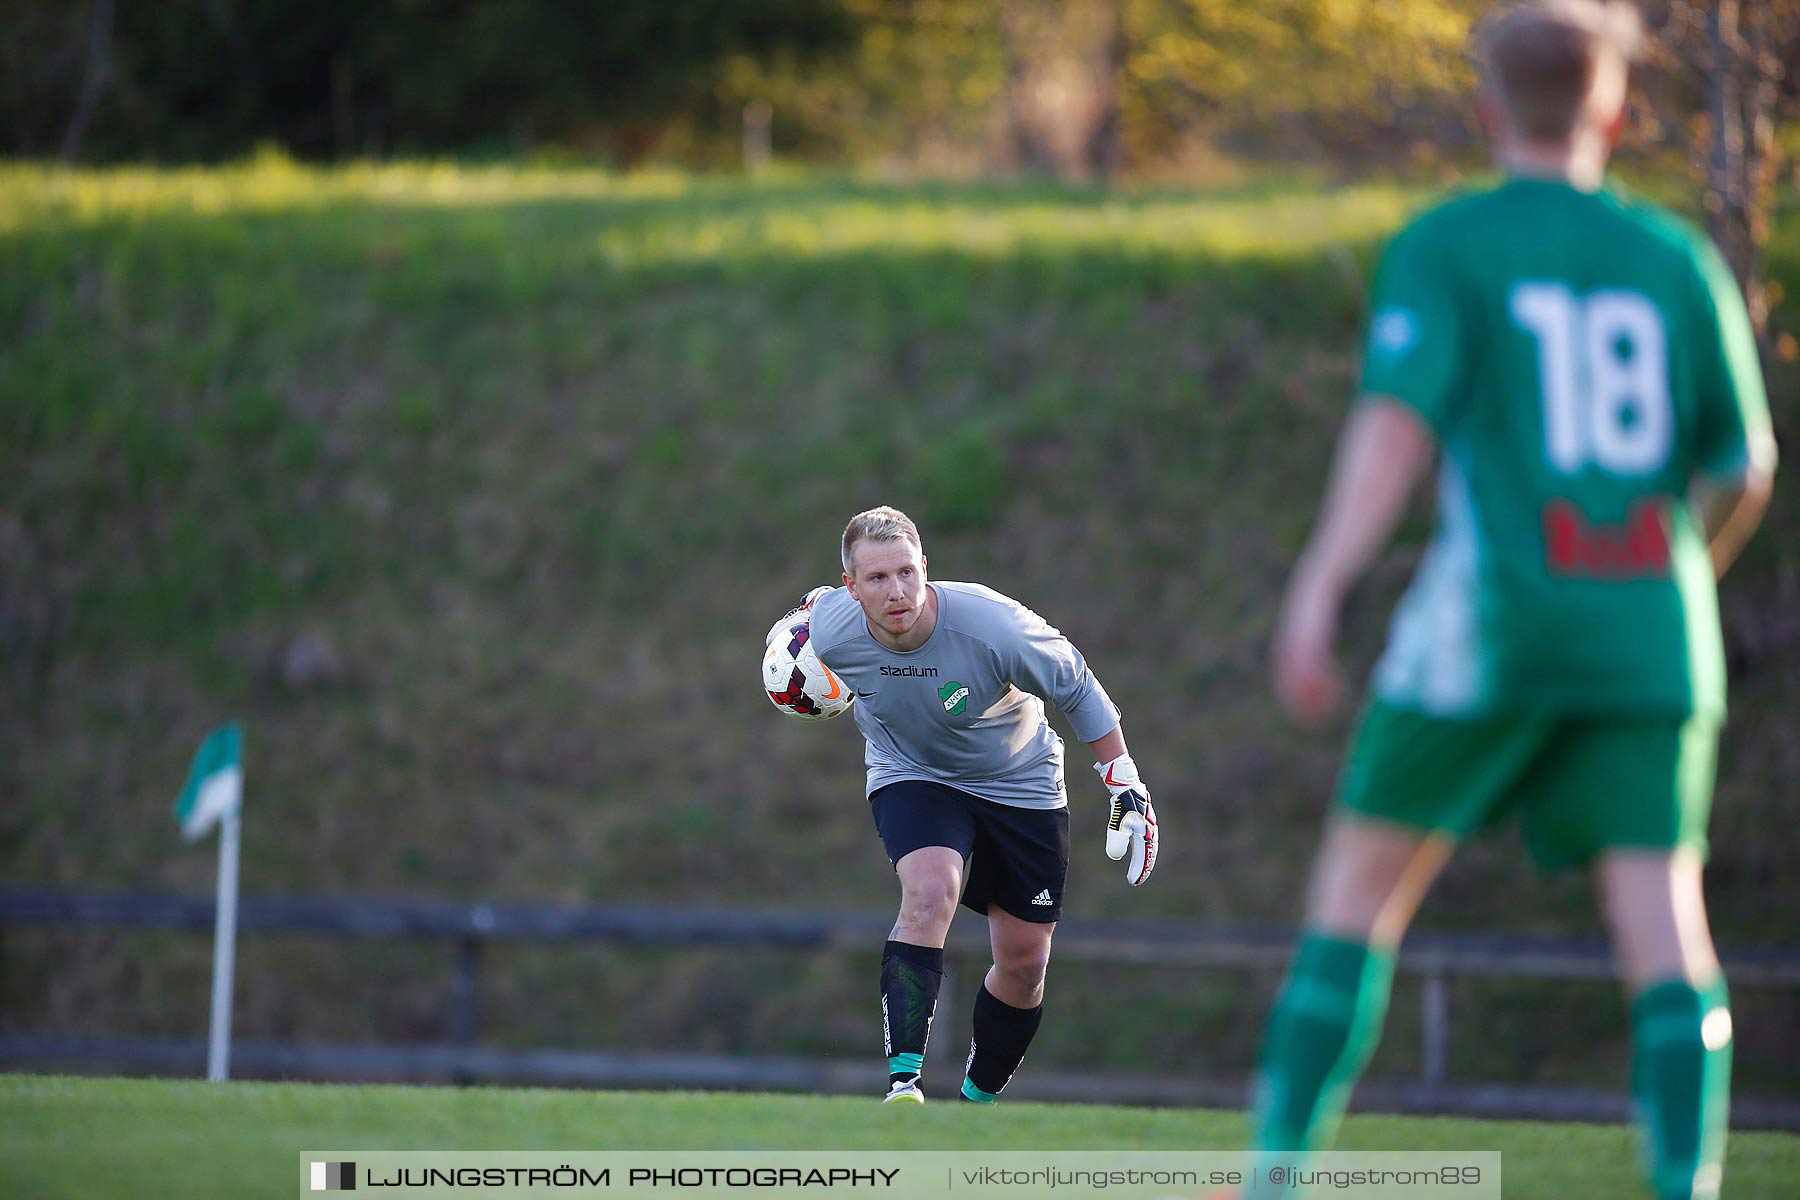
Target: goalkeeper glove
x=1131, y=826
x=801, y=612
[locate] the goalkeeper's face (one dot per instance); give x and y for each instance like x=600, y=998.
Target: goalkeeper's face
x=890, y=585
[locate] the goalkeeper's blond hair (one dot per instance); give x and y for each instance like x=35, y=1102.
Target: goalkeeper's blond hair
x=1543, y=59
x=881, y=524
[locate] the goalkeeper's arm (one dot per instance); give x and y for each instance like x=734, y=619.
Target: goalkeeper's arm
x=1131, y=830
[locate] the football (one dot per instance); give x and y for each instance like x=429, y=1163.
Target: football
x=797, y=682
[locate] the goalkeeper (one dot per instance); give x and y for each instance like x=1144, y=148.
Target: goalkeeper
x=965, y=783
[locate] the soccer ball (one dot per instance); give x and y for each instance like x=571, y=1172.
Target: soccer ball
x=797, y=682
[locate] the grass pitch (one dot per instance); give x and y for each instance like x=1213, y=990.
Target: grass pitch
x=100, y=1138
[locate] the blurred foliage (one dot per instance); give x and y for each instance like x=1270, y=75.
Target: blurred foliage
x=200, y=79
x=917, y=85
x=1078, y=88
x=1331, y=73
x=927, y=81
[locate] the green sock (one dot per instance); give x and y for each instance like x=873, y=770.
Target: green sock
x=1681, y=1073
x=1326, y=1022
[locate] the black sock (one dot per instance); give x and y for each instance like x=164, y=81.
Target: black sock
x=1002, y=1033
x=910, y=976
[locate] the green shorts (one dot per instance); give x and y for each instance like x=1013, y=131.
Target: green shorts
x=1581, y=785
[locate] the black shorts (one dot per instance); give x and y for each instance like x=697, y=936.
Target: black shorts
x=1015, y=858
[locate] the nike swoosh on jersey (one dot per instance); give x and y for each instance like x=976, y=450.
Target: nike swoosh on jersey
x=868, y=693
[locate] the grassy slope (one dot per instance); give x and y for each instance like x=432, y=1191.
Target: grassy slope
x=541, y=452
x=103, y=1138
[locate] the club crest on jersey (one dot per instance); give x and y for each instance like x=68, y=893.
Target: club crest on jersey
x=1393, y=332
x=955, y=697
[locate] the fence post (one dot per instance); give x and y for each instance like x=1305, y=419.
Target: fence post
x=1434, y=1027
x=759, y=118
x=462, y=999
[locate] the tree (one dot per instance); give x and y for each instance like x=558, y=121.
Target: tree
x=1736, y=51
x=202, y=78
x=1064, y=73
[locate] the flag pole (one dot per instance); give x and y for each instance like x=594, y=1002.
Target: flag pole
x=218, y=1050
x=214, y=795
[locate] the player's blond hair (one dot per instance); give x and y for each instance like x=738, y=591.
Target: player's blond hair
x=882, y=524
x=1541, y=58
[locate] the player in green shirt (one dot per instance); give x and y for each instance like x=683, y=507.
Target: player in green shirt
x=1584, y=369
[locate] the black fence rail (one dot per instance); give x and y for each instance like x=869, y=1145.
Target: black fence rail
x=1432, y=960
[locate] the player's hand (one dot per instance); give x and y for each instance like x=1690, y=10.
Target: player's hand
x=1308, y=680
x=1131, y=831
x=785, y=622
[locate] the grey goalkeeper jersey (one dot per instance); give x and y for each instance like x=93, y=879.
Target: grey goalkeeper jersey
x=967, y=707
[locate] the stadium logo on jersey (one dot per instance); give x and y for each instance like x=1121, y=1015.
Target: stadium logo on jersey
x=955, y=697
x=1393, y=332
x=917, y=672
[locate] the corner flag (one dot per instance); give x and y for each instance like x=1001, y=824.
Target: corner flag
x=215, y=783
x=214, y=795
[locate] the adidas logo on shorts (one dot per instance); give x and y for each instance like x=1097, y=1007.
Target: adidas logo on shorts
x=1043, y=898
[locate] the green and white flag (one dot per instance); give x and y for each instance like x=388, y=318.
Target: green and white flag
x=214, y=795
x=215, y=783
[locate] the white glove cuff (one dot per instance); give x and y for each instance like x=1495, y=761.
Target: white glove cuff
x=1119, y=774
